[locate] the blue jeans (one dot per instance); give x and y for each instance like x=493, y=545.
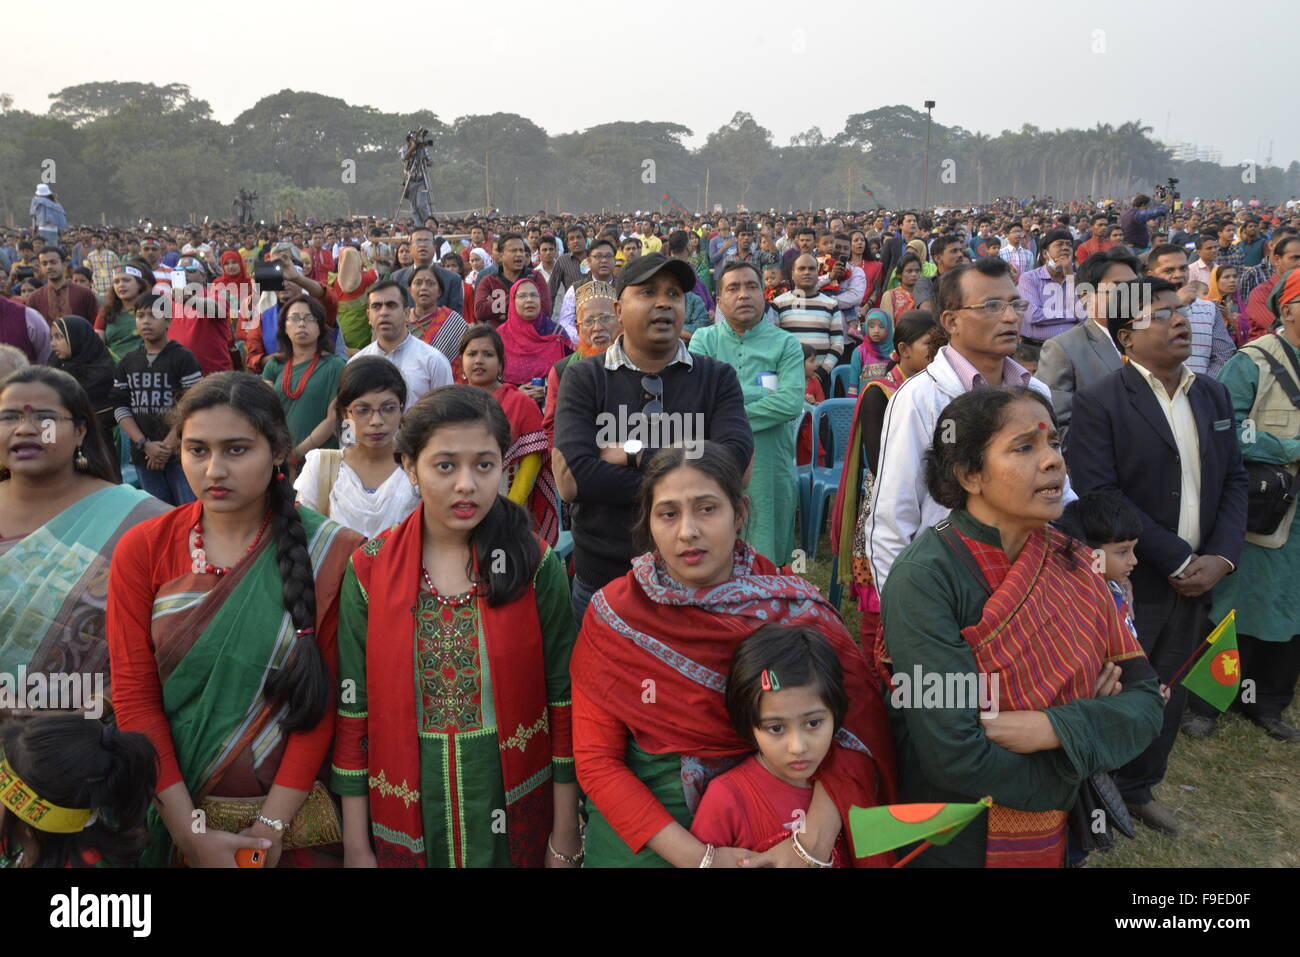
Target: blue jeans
x=167, y=483
x=580, y=597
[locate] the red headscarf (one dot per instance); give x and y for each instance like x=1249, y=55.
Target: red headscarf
x=531, y=347
x=230, y=256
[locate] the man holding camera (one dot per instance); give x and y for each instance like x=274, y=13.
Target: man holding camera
x=1137, y=236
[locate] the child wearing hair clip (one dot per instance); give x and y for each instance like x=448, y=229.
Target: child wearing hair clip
x=785, y=694
x=73, y=792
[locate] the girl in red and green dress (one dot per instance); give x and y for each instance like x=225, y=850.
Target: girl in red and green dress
x=455, y=744
x=305, y=372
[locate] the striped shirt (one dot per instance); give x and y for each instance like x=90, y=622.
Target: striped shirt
x=1212, y=345
x=815, y=320
x=1020, y=259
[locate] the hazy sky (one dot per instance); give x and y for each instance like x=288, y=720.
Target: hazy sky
x=568, y=66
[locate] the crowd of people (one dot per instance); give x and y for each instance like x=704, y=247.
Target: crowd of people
x=473, y=543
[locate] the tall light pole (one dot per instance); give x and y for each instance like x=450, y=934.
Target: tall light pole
x=925, y=180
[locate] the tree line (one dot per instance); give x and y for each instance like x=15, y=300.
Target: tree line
x=120, y=152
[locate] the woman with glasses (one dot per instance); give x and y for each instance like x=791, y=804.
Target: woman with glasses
x=305, y=372
x=362, y=486
x=61, y=515
x=526, y=477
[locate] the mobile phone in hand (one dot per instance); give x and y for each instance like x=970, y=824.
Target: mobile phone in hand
x=250, y=857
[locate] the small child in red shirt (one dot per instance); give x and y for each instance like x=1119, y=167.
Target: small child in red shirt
x=785, y=694
x=812, y=394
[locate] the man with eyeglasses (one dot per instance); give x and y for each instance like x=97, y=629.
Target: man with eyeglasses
x=1164, y=437
x=600, y=267
x=422, y=366
x=647, y=372
x=1212, y=344
x=981, y=314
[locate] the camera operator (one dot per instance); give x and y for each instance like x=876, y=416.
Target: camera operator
x=1134, y=222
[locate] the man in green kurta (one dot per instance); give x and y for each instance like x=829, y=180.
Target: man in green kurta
x=1262, y=589
x=769, y=363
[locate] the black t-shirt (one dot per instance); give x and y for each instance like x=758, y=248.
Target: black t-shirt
x=594, y=400
x=148, y=387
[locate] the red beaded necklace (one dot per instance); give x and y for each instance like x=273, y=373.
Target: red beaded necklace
x=454, y=602
x=200, y=557
x=302, y=383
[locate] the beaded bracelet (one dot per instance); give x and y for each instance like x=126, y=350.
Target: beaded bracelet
x=564, y=858
x=707, y=860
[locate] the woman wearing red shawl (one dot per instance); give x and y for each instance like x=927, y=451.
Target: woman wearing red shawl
x=526, y=477
x=454, y=741
x=650, y=721
x=997, y=597
x=533, y=342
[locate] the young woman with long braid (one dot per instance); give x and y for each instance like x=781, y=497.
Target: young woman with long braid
x=222, y=625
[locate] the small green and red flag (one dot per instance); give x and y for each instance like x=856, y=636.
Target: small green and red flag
x=879, y=829
x=1216, y=678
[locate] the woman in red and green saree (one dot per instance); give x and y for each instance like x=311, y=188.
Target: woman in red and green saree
x=61, y=516
x=651, y=727
x=455, y=629
x=222, y=623
x=526, y=476
x=439, y=326
x=993, y=592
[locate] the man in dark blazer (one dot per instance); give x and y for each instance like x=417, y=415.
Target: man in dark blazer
x=1086, y=354
x=895, y=247
x=1163, y=438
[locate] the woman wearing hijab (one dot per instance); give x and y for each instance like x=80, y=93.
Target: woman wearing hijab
x=479, y=260
x=533, y=342
x=79, y=352
x=233, y=285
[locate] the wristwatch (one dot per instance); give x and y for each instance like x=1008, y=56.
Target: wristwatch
x=632, y=448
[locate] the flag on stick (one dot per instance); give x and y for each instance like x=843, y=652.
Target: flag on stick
x=879, y=829
x=1216, y=678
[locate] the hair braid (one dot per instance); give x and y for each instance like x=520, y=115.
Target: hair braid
x=303, y=681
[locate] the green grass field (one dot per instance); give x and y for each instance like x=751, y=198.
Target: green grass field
x=1236, y=793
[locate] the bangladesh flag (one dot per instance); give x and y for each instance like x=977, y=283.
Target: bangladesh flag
x=879, y=829
x=1217, y=676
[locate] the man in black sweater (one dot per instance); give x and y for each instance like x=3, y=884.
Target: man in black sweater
x=615, y=410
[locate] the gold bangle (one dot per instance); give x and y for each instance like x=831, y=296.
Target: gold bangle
x=804, y=855
x=564, y=858
x=707, y=860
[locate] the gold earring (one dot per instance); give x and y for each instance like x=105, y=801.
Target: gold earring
x=79, y=461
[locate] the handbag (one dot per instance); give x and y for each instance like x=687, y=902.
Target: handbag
x=1098, y=791
x=1273, y=489
x=316, y=823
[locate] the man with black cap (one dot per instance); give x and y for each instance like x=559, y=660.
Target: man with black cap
x=1163, y=437
x=617, y=409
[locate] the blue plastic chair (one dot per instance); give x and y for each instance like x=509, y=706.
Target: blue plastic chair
x=841, y=379
x=821, y=482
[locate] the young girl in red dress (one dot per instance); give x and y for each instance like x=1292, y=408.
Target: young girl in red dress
x=785, y=695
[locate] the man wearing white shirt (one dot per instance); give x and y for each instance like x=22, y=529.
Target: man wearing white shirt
x=978, y=307
x=423, y=367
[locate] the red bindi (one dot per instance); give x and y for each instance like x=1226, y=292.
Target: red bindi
x=1042, y=425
